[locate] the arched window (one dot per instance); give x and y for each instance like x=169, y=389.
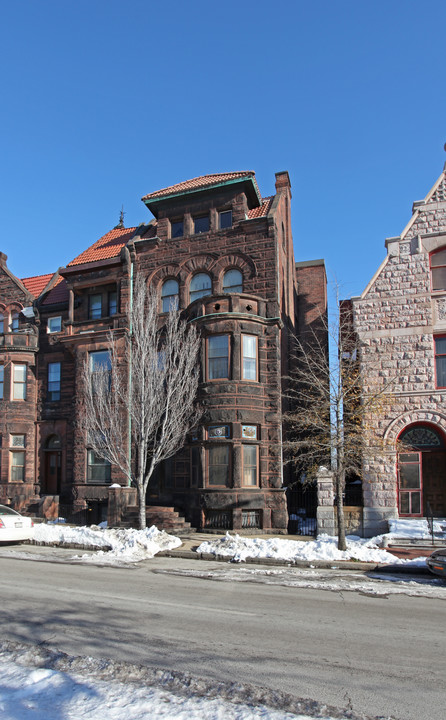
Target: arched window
x=233, y=281
x=200, y=286
x=438, y=270
x=169, y=295
x=14, y=326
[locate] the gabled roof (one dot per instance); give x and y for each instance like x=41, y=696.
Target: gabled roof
x=36, y=283
x=199, y=183
x=58, y=293
x=108, y=246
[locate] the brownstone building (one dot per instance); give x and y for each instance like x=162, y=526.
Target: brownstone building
x=222, y=254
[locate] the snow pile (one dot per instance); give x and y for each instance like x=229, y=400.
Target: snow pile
x=43, y=694
x=324, y=548
x=415, y=529
x=126, y=545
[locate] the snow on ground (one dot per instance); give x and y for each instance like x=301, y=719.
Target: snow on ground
x=417, y=529
x=33, y=689
x=373, y=584
x=120, y=545
x=323, y=548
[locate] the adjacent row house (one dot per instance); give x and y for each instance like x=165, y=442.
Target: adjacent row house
x=221, y=253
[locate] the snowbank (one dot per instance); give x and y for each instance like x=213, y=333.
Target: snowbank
x=415, y=529
x=324, y=548
x=126, y=545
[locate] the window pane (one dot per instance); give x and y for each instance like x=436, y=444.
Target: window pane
x=200, y=286
x=440, y=345
x=249, y=345
x=54, y=381
x=219, y=465
x=409, y=476
x=19, y=382
x=95, y=306
x=218, y=357
x=416, y=502
x=2, y=377
x=439, y=278
x=404, y=503
x=441, y=371
x=225, y=219
x=438, y=258
x=249, y=465
x=100, y=360
x=98, y=469
x=233, y=281
x=169, y=294
x=201, y=224
x=176, y=229
x=17, y=466
x=2, y=323
x=14, y=322
x=112, y=303
x=54, y=324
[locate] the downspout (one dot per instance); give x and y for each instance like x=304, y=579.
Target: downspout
x=129, y=416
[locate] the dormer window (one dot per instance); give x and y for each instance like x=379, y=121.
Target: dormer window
x=224, y=219
x=176, y=229
x=201, y=224
x=54, y=324
x=438, y=270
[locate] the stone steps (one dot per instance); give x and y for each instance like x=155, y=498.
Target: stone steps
x=164, y=517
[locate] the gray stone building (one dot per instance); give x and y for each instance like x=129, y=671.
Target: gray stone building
x=400, y=321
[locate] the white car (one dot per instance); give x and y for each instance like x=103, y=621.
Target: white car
x=13, y=526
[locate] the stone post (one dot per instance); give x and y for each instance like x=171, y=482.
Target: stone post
x=325, y=501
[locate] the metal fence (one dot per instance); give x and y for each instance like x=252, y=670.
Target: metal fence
x=302, y=508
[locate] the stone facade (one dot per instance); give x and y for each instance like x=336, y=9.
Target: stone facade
x=400, y=320
x=213, y=229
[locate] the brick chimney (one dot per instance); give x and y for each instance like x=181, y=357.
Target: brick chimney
x=283, y=181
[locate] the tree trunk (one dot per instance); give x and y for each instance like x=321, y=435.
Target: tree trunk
x=342, y=545
x=142, y=506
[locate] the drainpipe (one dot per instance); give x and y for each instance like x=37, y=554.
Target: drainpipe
x=129, y=416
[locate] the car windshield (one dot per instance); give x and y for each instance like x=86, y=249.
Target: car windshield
x=7, y=511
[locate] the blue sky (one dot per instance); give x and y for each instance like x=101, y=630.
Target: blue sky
x=103, y=101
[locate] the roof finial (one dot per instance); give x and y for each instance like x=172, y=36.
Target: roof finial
x=121, y=219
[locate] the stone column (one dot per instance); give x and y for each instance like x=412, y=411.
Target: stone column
x=325, y=500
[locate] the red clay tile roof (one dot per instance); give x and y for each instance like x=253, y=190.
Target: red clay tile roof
x=263, y=210
x=201, y=182
x=36, y=283
x=57, y=294
x=108, y=246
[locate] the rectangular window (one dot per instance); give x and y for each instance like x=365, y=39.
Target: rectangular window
x=94, y=307
x=225, y=219
x=201, y=224
x=2, y=380
x=438, y=270
x=440, y=361
x=218, y=465
x=250, y=463
x=218, y=431
x=100, y=362
x=218, y=357
x=112, y=302
x=249, y=357
x=176, y=229
x=17, y=465
x=18, y=441
x=19, y=382
x=249, y=432
x=54, y=369
x=98, y=469
x=409, y=482
x=54, y=324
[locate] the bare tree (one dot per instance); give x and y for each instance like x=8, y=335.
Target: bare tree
x=139, y=402
x=330, y=415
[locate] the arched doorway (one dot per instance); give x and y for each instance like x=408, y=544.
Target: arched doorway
x=53, y=466
x=422, y=471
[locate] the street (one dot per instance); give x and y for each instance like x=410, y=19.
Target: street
x=377, y=654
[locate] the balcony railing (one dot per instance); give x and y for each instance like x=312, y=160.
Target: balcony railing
x=19, y=340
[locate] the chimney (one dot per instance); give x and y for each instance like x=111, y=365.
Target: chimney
x=283, y=181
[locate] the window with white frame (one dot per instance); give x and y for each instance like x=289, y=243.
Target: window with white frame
x=250, y=465
x=17, y=440
x=17, y=465
x=19, y=381
x=249, y=357
x=54, y=324
x=98, y=469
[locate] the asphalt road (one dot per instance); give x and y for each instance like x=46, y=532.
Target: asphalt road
x=378, y=655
